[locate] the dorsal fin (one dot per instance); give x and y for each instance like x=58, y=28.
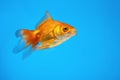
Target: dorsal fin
x=47, y=16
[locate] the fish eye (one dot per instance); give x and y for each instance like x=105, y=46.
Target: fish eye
x=65, y=29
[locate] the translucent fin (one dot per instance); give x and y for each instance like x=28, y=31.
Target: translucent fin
x=20, y=46
x=28, y=52
x=27, y=41
x=44, y=18
x=18, y=33
x=48, y=15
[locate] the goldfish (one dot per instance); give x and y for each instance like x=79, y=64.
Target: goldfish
x=49, y=33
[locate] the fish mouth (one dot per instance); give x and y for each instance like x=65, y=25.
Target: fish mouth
x=72, y=33
x=69, y=34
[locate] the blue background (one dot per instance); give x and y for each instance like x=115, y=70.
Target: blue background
x=93, y=54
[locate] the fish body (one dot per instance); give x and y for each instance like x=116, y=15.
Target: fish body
x=49, y=33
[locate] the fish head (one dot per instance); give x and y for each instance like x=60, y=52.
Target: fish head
x=65, y=31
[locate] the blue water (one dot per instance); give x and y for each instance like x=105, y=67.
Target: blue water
x=93, y=54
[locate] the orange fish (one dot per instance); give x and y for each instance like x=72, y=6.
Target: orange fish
x=49, y=33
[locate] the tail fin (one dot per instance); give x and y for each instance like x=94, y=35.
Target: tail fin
x=18, y=33
x=27, y=38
